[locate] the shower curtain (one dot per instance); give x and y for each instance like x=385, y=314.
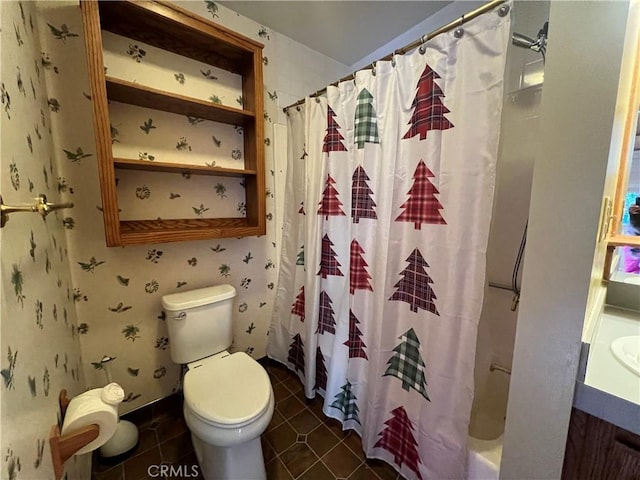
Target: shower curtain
x=388, y=201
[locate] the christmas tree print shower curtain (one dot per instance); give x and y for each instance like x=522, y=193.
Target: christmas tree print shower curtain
x=389, y=195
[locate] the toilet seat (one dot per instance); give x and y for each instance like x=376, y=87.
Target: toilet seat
x=227, y=391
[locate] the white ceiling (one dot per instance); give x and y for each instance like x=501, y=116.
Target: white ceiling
x=346, y=31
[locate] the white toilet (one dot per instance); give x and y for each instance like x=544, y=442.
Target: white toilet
x=228, y=399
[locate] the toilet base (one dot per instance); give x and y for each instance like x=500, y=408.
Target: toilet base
x=239, y=462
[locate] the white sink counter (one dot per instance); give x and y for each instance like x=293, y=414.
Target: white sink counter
x=604, y=372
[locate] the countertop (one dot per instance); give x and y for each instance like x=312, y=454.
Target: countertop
x=609, y=390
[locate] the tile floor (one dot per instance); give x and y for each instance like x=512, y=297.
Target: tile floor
x=300, y=442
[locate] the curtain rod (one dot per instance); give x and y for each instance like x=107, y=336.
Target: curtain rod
x=425, y=38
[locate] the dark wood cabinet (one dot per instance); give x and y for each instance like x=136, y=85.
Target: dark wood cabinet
x=598, y=450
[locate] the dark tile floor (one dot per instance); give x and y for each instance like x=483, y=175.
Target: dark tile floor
x=300, y=442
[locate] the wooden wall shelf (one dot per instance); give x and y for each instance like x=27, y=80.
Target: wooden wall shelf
x=169, y=27
x=142, y=96
x=146, y=165
x=144, y=231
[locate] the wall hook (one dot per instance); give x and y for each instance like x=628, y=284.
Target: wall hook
x=40, y=205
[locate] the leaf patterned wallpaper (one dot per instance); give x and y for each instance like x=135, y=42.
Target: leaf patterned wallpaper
x=117, y=291
x=40, y=348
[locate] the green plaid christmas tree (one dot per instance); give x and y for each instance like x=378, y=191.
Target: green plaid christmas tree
x=345, y=401
x=397, y=438
x=296, y=353
x=300, y=257
x=415, y=285
x=366, y=123
x=407, y=364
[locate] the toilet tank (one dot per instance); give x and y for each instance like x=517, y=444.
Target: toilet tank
x=199, y=322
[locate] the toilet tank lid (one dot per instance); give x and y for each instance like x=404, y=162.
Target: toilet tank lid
x=198, y=297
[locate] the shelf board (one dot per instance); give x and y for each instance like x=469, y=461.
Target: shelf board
x=177, y=230
x=142, y=96
x=146, y=165
x=177, y=30
x=624, y=241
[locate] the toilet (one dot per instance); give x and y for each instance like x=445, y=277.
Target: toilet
x=228, y=399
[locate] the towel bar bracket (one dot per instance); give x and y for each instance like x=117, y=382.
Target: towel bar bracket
x=40, y=205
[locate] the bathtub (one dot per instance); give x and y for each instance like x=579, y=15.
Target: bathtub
x=486, y=427
x=483, y=459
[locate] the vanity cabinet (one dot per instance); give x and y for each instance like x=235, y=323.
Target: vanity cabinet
x=599, y=450
x=171, y=28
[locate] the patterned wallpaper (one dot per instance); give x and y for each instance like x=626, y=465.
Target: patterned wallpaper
x=117, y=291
x=40, y=348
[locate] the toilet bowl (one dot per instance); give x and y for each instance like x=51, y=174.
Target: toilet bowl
x=228, y=399
x=228, y=404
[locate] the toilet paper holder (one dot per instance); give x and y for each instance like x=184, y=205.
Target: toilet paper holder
x=63, y=447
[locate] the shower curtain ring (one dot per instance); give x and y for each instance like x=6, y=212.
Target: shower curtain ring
x=373, y=69
x=459, y=32
x=297, y=108
x=422, y=48
x=393, y=59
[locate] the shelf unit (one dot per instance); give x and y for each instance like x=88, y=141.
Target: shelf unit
x=174, y=29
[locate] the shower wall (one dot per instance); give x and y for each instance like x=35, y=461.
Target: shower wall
x=40, y=349
x=518, y=143
x=118, y=290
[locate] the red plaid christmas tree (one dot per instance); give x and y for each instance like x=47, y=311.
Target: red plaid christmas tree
x=362, y=205
x=345, y=401
x=328, y=263
x=300, y=257
x=321, y=371
x=397, y=438
x=428, y=109
x=330, y=205
x=333, y=139
x=358, y=275
x=415, y=285
x=422, y=206
x=298, y=305
x=407, y=364
x=296, y=353
x=355, y=343
x=301, y=210
x=326, y=322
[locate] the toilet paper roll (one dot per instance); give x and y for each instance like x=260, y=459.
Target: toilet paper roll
x=90, y=408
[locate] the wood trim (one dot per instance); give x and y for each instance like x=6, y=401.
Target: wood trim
x=254, y=144
x=628, y=143
x=624, y=241
x=101, y=123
